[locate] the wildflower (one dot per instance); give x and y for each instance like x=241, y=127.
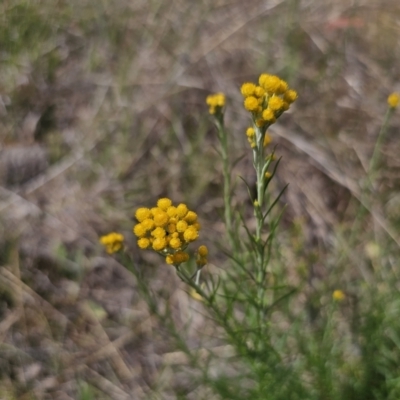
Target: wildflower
x=290, y=96
x=268, y=115
x=268, y=175
x=275, y=103
x=267, y=101
x=215, y=102
x=259, y=91
x=142, y=213
x=202, y=254
x=191, y=217
x=139, y=230
x=250, y=132
x=338, y=295
x=143, y=243
x=267, y=140
x=203, y=251
x=270, y=83
x=248, y=89
x=251, y=104
x=167, y=229
x=164, y=204
x=393, y=100
x=190, y=234
x=181, y=210
x=113, y=242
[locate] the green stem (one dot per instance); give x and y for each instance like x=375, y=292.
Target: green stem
x=222, y=136
x=259, y=163
x=367, y=188
x=378, y=145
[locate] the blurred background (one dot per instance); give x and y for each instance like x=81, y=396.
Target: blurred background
x=102, y=110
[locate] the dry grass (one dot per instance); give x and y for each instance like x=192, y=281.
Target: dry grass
x=102, y=110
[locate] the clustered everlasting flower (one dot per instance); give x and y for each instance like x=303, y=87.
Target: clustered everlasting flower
x=113, y=242
x=168, y=230
x=394, y=100
x=215, y=102
x=267, y=100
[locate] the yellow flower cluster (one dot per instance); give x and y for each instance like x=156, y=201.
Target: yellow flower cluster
x=167, y=229
x=393, y=100
x=251, y=137
x=113, y=242
x=267, y=100
x=215, y=102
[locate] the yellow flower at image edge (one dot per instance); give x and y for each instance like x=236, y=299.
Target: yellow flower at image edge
x=394, y=100
x=338, y=295
x=113, y=242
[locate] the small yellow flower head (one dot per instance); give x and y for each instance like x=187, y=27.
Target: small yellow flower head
x=215, y=102
x=250, y=132
x=181, y=226
x=259, y=91
x=256, y=203
x=181, y=257
x=290, y=96
x=160, y=218
x=283, y=87
x=158, y=232
x=113, y=242
x=142, y=213
x=268, y=175
x=139, y=230
x=251, y=104
x=393, y=100
x=260, y=122
x=201, y=261
x=270, y=83
x=169, y=259
x=182, y=210
x=175, y=243
x=171, y=211
x=143, y=243
x=147, y=224
x=338, y=295
x=171, y=228
x=267, y=140
x=159, y=244
x=164, y=204
x=191, y=217
x=262, y=79
x=248, y=89
x=197, y=225
x=177, y=258
x=202, y=251
x=268, y=115
x=190, y=234
x=275, y=103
